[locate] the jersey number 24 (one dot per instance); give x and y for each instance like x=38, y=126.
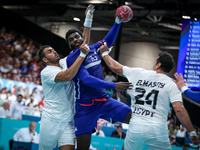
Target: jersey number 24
x=153, y=93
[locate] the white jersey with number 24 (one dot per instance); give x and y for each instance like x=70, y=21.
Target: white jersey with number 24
x=151, y=95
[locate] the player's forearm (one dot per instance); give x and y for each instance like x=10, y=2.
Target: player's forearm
x=184, y=118
x=86, y=35
x=70, y=73
x=96, y=82
x=112, y=34
x=113, y=65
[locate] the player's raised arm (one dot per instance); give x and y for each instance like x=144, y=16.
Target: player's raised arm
x=88, y=23
x=112, y=64
x=123, y=14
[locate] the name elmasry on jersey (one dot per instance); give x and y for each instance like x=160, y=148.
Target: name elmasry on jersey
x=147, y=83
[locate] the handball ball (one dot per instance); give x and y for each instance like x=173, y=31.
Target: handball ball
x=124, y=13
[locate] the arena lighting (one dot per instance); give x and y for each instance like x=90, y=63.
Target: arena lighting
x=186, y=17
x=76, y=19
x=195, y=19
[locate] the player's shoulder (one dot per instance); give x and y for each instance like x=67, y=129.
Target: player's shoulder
x=168, y=80
x=62, y=63
x=134, y=68
x=49, y=69
x=73, y=54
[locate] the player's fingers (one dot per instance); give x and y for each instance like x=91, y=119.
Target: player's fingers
x=92, y=5
x=181, y=76
x=83, y=44
x=130, y=84
x=101, y=47
x=176, y=76
x=86, y=10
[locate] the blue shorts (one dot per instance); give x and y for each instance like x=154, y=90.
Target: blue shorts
x=88, y=112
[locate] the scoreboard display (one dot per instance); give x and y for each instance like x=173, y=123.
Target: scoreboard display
x=189, y=53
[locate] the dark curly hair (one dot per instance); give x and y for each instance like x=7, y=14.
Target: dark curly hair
x=166, y=60
x=70, y=32
x=41, y=52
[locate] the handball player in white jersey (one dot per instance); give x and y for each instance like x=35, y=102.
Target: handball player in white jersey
x=152, y=93
x=57, y=126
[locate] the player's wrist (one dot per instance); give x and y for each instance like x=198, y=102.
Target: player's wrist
x=184, y=88
x=117, y=20
x=106, y=52
x=88, y=23
x=83, y=54
x=192, y=133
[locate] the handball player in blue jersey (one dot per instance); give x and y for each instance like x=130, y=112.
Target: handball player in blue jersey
x=193, y=95
x=92, y=100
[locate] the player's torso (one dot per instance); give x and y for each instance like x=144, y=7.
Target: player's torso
x=150, y=96
x=92, y=64
x=59, y=100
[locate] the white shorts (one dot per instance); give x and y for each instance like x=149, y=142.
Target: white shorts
x=156, y=138
x=53, y=133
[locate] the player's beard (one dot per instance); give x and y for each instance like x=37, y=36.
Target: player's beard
x=74, y=45
x=53, y=60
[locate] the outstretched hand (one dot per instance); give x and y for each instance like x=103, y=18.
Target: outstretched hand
x=179, y=80
x=123, y=86
x=90, y=9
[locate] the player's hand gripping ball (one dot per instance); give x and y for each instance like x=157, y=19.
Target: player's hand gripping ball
x=124, y=13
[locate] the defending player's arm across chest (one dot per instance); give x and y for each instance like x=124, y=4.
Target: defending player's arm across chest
x=92, y=59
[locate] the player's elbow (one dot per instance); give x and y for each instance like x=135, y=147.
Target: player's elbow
x=69, y=77
x=179, y=110
x=115, y=68
x=66, y=78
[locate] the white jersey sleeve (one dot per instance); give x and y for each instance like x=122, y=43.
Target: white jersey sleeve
x=49, y=74
x=133, y=71
x=63, y=63
x=175, y=94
